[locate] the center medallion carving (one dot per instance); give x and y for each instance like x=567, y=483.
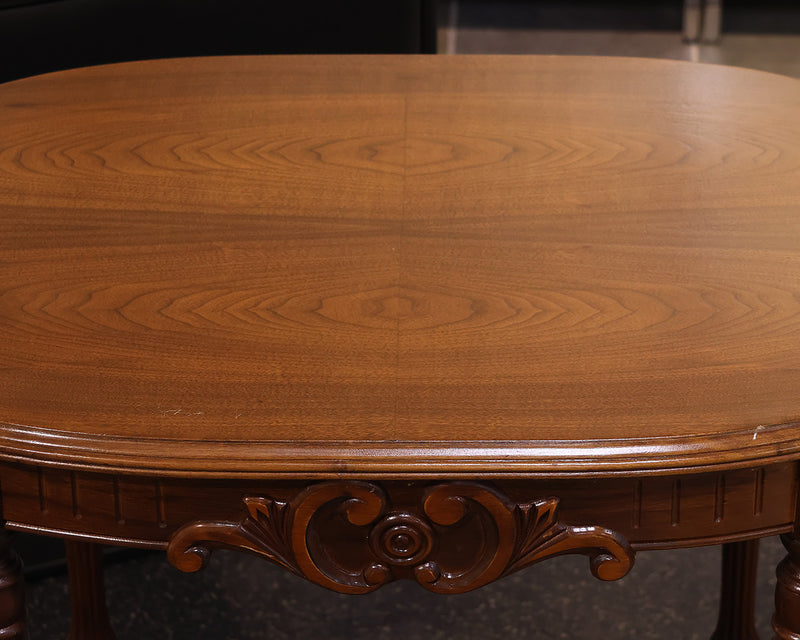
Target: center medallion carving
x=352, y=537
x=401, y=539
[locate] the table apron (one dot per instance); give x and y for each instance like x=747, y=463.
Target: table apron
x=649, y=512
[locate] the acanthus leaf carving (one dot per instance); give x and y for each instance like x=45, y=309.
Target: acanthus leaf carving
x=265, y=532
x=542, y=536
x=353, y=537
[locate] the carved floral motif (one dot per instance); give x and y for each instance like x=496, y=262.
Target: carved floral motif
x=351, y=537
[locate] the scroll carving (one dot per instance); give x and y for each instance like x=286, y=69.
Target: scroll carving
x=353, y=537
x=264, y=532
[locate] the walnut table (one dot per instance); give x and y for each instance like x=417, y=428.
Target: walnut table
x=379, y=318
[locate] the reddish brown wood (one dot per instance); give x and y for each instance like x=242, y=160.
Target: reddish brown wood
x=353, y=537
x=737, y=597
x=132, y=510
x=12, y=591
x=87, y=592
x=786, y=621
x=476, y=265
x=282, y=278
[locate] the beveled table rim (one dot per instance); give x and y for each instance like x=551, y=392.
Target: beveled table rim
x=319, y=459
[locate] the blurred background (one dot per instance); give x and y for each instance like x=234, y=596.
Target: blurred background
x=759, y=34
x=45, y=35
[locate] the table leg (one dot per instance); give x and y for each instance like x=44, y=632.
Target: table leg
x=87, y=592
x=737, y=598
x=12, y=591
x=692, y=20
x=712, y=21
x=786, y=621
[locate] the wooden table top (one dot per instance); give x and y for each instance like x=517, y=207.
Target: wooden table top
x=400, y=265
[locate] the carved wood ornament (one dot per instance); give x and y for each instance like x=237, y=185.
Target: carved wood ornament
x=352, y=538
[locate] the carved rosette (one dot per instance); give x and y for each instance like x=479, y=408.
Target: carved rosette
x=451, y=538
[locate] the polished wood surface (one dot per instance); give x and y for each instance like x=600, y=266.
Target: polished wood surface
x=378, y=318
x=87, y=592
x=549, y=253
x=366, y=264
x=786, y=621
x=737, y=618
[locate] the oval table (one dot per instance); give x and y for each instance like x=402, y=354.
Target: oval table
x=378, y=318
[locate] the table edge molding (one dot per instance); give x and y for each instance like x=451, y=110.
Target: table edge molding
x=758, y=446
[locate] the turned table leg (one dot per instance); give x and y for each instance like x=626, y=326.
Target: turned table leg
x=786, y=621
x=737, y=598
x=12, y=591
x=87, y=592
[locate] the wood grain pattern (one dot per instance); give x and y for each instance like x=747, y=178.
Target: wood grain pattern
x=377, y=265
